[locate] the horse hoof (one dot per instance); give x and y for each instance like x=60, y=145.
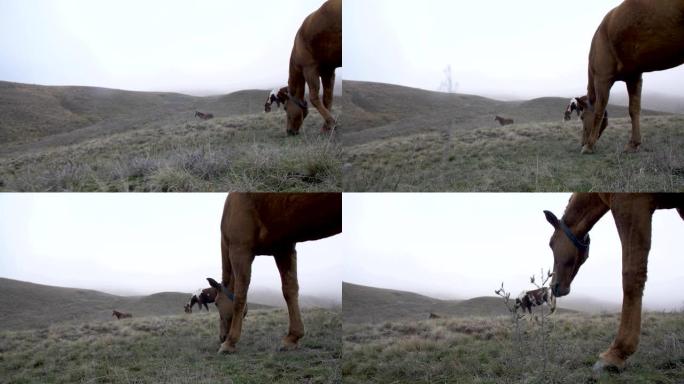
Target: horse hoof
x=587, y=150
x=226, y=349
x=601, y=367
x=631, y=148
x=288, y=347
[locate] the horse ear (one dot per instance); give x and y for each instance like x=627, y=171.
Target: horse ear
x=213, y=283
x=551, y=218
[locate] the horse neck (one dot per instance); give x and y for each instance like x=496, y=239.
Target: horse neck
x=296, y=84
x=583, y=211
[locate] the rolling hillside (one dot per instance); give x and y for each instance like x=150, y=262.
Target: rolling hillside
x=95, y=139
x=28, y=305
x=404, y=139
x=363, y=304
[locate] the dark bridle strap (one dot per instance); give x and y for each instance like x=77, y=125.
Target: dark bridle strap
x=582, y=245
x=301, y=103
x=227, y=292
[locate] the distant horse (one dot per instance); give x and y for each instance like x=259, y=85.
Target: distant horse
x=278, y=97
x=121, y=315
x=316, y=53
x=433, y=315
x=503, y=120
x=204, y=116
x=529, y=299
x=635, y=37
x=268, y=224
x=570, y=246
x=201, y=297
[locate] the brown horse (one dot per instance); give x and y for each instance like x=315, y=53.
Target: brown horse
x=204, y=116
x=268, y=224
x=121, y=315
x=570, y=246
x=316, y=53
x=635, y=37
x=503, y=120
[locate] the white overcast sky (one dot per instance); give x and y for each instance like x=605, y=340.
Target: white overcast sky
x=499, y=48
x=464, y=245
x=211, y=46
x=138, y=244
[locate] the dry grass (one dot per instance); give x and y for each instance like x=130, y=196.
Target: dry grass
x=403, y=139
x=483, y=350
x=243, y=152
x=173, y=349
x=531, y=157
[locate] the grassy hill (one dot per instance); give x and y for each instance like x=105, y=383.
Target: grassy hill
x=487, y=350
x=95, y=139
x=173, y=349
x=404, y=139
x=28, y=305
x=362, y=304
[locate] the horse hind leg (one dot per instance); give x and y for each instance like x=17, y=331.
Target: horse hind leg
x=634, y=91
x=311, y=76
x=287, y=266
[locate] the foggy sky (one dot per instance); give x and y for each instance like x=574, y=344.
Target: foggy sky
x=212, y=46
x=507, y=49
x=461, y=246
x=138, y=244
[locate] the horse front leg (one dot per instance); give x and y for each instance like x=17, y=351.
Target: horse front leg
x=287, y=266
x=602, y=88
x=241, y=261
x=634, y=91
x=311, y=75
x=633, y=221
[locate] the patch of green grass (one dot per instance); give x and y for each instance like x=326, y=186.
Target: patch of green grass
x=173, y=349
x=484, y=350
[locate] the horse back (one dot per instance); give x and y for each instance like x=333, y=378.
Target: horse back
x=319, y=39
x=640, y=36
x=268, y=221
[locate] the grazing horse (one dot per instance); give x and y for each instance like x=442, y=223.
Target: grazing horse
x=579, y=104
x=528, y=299
x=278, y=97
x=635, y=37
x=316, y=53
x=503, y=120
x=268, y=224
x=204, y=116
x=201, y=297
x=570, y=246
x=121, y=315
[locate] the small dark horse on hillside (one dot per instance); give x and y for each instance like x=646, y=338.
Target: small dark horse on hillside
x=632, y=213
x=121, y=315
x=316, y=53
x=204, y=116
x=503, y=120
x=635, y=37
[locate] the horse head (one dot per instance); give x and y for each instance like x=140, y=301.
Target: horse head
x=585, y=110
x=224, y=304
x=297, y=110
x=569, y=253
x=187, y=308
